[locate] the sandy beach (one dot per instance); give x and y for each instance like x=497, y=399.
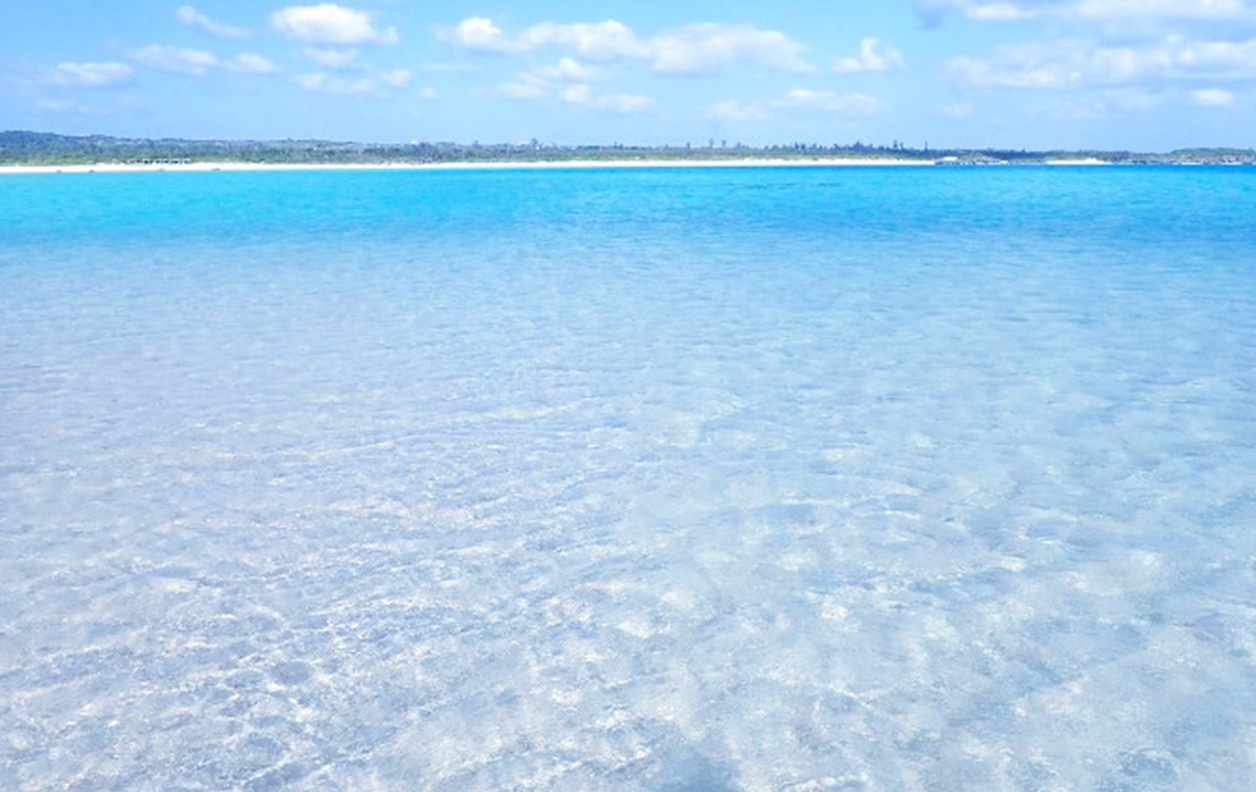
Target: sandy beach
x=200, y=167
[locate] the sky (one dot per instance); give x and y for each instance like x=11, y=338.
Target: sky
x=1144, y=75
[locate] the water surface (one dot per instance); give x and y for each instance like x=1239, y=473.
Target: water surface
x=715, y=479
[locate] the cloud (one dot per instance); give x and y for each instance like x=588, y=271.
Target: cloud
x=539, y=81
x=1235, y=60
x=479, y=33
x=1126, y=14
x=1132, y=100
x=829, y=102
x=67, y=106
x=526, y=86
x=567, y=69
x=999, y=12
x=176, y=59
x=321, y=82
x=955, y=110
x=1017, y=67
x=1073, y=63
x=329, y=23
x=1212, y=97
x=693, y=49
x=1120, y=101
x=378, y=84
x=1125, y=10
x=598, y=40
x=331, y=57
x=397, y=78
x=86, y=75
x=198, y=63
x=934, y=11
x=576, y=94
x=563, y=81
x=59, y=106
x=193, y=18
x=625, y=104
x=255, y=64
x=1072, y=109
x=709, y=47
x=869, y=60
x=733, y=110
x=446, y=67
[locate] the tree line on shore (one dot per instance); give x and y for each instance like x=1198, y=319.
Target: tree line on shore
x=43, y=148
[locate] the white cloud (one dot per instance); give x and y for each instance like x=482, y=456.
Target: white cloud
x=1212, y=97
x=999, y=11
x=86, y=75
x=829, y=102
x=623, y=103
x=1072, y=109
x=193, y=18
x=575, y=94
x=693, y=49
x=429, y=93
x=1088, y=107
x=478, y=33
x=733, y=110
x=62, y=105
x=198, y=63
x=526, y=86
x=539, y=81
x=619, y=103
x=377, y=84
x=955, y=110
x=1213, y=59
x=180, y=60
x=1162, y=9
x=57, y=105
x=397, y=78
x=255, y=64
x=1132, y=100
x=598, y=40
x=322, y=82
x=329, y=23
x=869, y=60
x=711, y=47
x=531, y=86
x=567, y=69
x=1125, y=14
x=1012, y=73
x=331, y=57
x=445, y=67
x=1072, y=63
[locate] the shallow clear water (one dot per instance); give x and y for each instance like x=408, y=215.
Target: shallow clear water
x=719, y=480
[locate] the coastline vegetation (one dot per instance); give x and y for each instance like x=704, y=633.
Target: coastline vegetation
x=43, y=148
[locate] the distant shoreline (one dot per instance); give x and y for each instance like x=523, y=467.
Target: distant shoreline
x=748, y=162
x=46, y=152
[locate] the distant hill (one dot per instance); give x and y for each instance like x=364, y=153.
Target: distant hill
x=44, y=148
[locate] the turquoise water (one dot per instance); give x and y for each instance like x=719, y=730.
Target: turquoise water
x=718, y=479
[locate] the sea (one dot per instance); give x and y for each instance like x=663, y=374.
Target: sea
x=661, y=479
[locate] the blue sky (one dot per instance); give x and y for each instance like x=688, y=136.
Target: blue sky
x=1113, y=74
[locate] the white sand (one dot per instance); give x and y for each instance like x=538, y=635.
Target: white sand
x=194, y=167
